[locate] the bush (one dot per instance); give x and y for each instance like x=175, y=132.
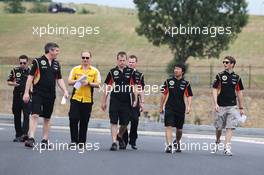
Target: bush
x=85, y=11
x=39, y=7
x=15, y=6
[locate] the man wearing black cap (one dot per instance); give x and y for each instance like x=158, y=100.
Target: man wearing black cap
x=174, y=91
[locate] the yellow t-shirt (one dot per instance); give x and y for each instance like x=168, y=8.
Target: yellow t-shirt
x=85, y=93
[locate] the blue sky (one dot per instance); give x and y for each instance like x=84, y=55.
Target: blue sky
x=255, y=7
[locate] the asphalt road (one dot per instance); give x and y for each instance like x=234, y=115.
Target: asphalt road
x=15, y=159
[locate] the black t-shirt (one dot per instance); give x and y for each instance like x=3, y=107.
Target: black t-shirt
x=227, y=84
x=176, y=89
x=45, y=76
x=122, y=83
x=19, y=75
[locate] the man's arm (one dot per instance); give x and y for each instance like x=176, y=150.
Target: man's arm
x=215, y=93
x=62, y=86
x=104, y=97
x=162, y=102
x=240, y=102
x=27, y=88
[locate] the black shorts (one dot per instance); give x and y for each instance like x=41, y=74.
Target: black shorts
x=173, y=119
x=119, y=112
x=42, y=106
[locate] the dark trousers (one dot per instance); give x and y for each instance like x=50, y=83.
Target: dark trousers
x=17, y=108
x=133, y=135
x=79, y=116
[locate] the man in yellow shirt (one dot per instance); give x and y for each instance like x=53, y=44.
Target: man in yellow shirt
x=84, y=78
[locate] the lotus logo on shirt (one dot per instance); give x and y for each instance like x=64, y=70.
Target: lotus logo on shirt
x=43, y=62
x=116, y=73
x=18, y=74
x=171, y=82
x=224, y=77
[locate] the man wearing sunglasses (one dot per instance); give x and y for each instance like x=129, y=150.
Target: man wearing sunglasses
x=227, y=86
x=17, y=78
x=82, y=98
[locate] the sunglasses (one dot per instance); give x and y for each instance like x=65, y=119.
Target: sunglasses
x=23, y=63
x=87, y=58
x=226, y=62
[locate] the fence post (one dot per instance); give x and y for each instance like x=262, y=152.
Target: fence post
x=249, y=76
x=211, y=75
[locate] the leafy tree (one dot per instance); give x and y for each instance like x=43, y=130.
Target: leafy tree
x=191, y=28
x=15, y=6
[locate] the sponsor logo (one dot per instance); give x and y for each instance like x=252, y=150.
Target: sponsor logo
x=116, y=72
x=43, y=62
x=224, y=77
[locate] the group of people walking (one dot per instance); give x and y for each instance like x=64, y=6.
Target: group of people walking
x=34, y=96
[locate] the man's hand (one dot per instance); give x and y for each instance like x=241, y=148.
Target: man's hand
x=103, y=106
x=216, y=108
x=141, y=105
x=66, y=94
x=26, y=98
x=84, y=82
x=241, y=111
x=188, y=110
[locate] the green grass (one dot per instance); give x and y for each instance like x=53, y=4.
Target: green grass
x=117, y=32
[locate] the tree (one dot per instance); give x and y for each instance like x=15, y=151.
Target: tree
x=191, y=28
x=15, y=6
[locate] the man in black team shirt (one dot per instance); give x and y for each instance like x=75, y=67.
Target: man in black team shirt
x=226, y=86
x=121, y=80
x=44, y=73
x=17, y=78
x=174, y=90
x=132, y=137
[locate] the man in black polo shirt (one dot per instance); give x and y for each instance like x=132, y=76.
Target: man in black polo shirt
x=45, y=71
x=174, y=90
x=133, y=135
x=226, y=87
x=17, y=78
x=120, y=82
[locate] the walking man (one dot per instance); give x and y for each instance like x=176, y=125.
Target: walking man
x=44, y=74
x=226, y=87
x=17, y=78
x=133, y=135
x=174, y=90
x=120, y=82
x=82, y=98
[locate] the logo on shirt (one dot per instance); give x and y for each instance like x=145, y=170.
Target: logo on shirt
x=116, y=72
x=18, y=74
x=171, y=82
x=43, y=62
x=224, y=77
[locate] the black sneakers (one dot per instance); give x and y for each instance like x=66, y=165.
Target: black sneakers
x=168, y=149
x=177, y=146
x=17, y=139
x=30, y=142
x=44, y=144
x=134, y=147
x=113, y=147
x=121, y=142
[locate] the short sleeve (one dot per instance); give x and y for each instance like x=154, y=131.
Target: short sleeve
x=239, y=85
x=11, y=76
x=34, y=67
x=59, y=76
x=216, y=82
x=109, y=79
x=188, y=91
x=72, y=75
x=164, y=88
